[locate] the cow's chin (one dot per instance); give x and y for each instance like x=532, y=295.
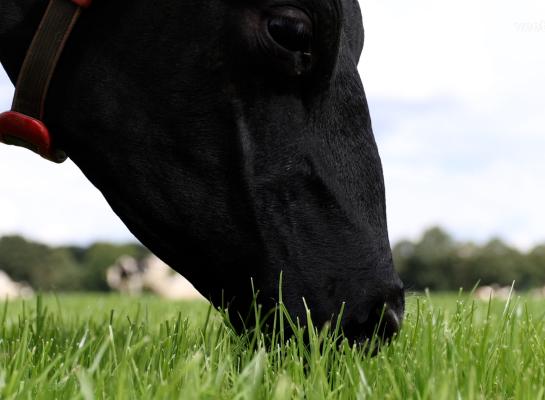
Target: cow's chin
x=370, y=311
x=370, y=323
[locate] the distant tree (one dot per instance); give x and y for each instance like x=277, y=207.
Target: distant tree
x=77, y=252
x=534, y=274
x=429, y=262
x=438, y=262
x=402, y=252
x=18, y=257
x=497, y=263
x=44, y=268
x=59, y=271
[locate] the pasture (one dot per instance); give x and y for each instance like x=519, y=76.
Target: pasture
x=91, y=346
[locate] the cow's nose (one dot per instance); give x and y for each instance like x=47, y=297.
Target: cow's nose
x=386, y=313
x=384, y=321
x=381, y=319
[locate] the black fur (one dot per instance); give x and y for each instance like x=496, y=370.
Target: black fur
x=229, y=157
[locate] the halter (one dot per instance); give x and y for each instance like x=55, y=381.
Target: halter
x=23, y=126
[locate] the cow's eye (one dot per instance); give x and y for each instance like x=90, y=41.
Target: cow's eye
x=291, y=28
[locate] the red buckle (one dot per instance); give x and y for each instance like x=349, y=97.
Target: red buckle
x=83, y=3
x=21, y=130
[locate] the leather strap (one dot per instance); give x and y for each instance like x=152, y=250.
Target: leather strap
x=23, y=126
x=42, y=57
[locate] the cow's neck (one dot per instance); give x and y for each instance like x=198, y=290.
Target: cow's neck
x=19, y=20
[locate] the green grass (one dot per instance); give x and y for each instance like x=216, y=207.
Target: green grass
x=70, y=347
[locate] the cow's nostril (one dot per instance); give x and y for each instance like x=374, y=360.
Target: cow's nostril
x=389, y=323
x=382, y=322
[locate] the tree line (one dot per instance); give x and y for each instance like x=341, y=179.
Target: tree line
x=436, y=261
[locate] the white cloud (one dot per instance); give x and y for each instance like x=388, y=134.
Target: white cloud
x=456, y=90
x=477, y=177
x=52, y=203
x=464, y=49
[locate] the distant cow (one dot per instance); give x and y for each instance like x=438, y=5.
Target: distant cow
x=234, y=140
x=494, y=292
x=126, y=276
x=130, y=276
x=10, y=289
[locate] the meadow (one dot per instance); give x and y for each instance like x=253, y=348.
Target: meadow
x=112, y=347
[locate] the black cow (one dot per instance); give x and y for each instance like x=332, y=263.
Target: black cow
x=233, y=138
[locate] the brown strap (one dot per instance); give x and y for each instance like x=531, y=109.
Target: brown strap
x=42, y=57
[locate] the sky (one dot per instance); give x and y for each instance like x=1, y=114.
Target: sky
x=457, y=96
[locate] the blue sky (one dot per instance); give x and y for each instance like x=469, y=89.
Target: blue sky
x=457, y=96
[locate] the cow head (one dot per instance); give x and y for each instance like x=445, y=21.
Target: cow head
x=233, y=138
